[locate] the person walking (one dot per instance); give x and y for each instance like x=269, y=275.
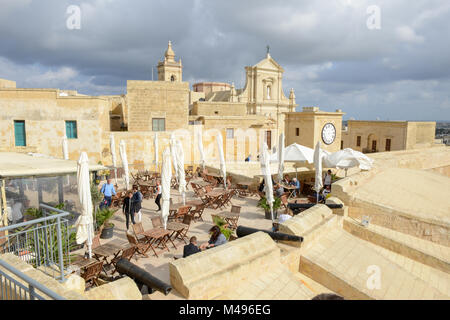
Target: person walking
x=158, y=195
x=108, y=191
x=126, y=209
x=136, y=203
x=327, y=179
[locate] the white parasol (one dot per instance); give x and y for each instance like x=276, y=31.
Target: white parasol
x=318, y=183
x=200, y=149
x=112, y=147
x=123, y=156
x=173, y=153
x=155, y=141
x=223, y=169
x=65, y=148
x=84, y=223
x=265, y=169
x=166, y=177
x=181, y=174
x=281, y=157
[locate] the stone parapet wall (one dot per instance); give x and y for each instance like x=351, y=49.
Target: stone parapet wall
x=211, y=273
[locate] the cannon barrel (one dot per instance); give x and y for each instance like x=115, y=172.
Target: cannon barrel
x=242, y=231
x=141, y=276
x=309, y=205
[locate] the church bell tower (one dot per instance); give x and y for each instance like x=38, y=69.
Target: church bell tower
x=169, y=69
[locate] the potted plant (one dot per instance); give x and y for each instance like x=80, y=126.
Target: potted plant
x=276, y=205
x=105, y=228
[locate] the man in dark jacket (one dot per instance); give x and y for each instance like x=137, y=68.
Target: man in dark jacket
x=127, y=209
x=190, y=248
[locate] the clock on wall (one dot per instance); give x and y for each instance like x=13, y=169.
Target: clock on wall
x=328, y=133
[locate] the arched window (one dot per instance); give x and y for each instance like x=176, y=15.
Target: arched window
x=172, y=78
x=269, y=92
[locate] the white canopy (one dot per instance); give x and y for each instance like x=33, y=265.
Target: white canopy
x=295, y=153
x=65, y=148
x=347, y=158
x=265, y=169
x=123, y=155
x=84, y=223
x=200, y=149
x=112, y=147
x=318, y=155
x=181, y=174
x=281, y=153
x=223, y=169
x=166, y=177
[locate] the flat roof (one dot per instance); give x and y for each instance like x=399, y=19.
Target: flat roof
x=14, y=165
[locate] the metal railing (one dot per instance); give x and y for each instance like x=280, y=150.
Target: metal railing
x=42, y=242
x=12, y=289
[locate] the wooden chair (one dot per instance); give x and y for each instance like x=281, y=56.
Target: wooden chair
x=138, y=230
x=180, y=213
x=196, y=213
x=186, y=221
x=208, y=188
x=156, y=222
x=126, y=254
x=91, y=274
x=141, y=247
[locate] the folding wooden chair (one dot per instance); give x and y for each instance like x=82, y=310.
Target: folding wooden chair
x=126, y=254
x=91, y=273
x=196, y=213
x=186, y=221
x=156, y=222
x=138, y=230
x=141, y=247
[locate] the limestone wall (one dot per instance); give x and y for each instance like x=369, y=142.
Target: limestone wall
x=210, y=273
x=157, y=99
x=218, y=108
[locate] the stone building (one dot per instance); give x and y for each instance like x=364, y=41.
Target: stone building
x=378, y=136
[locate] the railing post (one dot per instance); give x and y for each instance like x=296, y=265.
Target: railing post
x=60, y=253
x=31, y=291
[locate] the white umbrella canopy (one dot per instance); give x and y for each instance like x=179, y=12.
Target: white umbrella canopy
x=156, y=148
x=200, y=149
x=65, y=148
x=223, y=169
x=265, y=169
x=347, y=158
x=281, y=152
x=123, y=156
x=181, y=174
x=295, y=153
x=166, y=177
x=318, y=183
x=173, y=153
x=84, y=223
x=112, y=147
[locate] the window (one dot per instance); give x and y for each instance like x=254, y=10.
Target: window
x=71, y=130
x=358, y=141
x=230, y=133
x=19, y=133
x=342, y=144
x=388, y=144
x=297, y=131
x=269, y=89
x=159, y=124
x=172, y=78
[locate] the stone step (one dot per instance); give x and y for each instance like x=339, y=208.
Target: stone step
x=420, y=250
x=350, y=267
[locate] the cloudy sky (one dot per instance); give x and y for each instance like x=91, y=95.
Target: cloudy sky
x=336, y=53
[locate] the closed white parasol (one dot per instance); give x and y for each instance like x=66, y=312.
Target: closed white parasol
x=123, y=155
x=181, y=174
x=166, y=177
x=265, y=169
x=223, y=169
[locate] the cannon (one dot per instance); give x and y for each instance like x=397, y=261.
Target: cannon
x=242, y=231
x=142, y=277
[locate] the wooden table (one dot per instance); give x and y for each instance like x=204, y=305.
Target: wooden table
x=83, y=263
x=291, y=190
x=177, y=229
x=214, y=193
x=158, y=237
x=112, y=248
x=202, y=183
x=194, y=203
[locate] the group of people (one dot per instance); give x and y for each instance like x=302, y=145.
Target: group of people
x=217, y=238
x=132, y=203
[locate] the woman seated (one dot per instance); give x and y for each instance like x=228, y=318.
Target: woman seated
x=217, y=238
x=286, y=180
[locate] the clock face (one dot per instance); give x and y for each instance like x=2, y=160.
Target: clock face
x=328, y=133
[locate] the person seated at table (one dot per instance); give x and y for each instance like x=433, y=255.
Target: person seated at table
x=198, y=172
x=279, y=190
x=248, y=158
x=191, y=248
x=262, y=185
x=286, y=180
x=217, y=238
x=326, y=192
x=296, y=184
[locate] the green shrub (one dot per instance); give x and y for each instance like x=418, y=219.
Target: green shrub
x=263, y=204
x=221, y=224
x=102, y=216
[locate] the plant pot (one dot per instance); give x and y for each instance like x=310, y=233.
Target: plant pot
x=107, y=232
x=267, y=214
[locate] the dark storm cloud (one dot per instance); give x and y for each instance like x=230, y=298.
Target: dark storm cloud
x=329, y=55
